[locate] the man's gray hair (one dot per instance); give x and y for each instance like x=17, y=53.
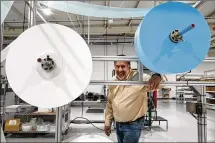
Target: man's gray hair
x=126, y=61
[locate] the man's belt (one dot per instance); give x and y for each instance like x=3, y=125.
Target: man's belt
x=138, y=119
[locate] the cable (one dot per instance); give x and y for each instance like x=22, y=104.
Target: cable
x=82, y=106
x=98, y=127
x=153, y=117
x=107, y=26
x=184, y=75
x=23, y=27
x=121, y=3
x=82, y=112
x=99, y=37
x=151, y=100
x=193, y=116
x=88, y=121
x=70, y=17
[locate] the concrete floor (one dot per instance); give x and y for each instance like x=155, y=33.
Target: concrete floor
x=182, y=126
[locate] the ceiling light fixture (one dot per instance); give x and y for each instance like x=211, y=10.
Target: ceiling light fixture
x=47, y=11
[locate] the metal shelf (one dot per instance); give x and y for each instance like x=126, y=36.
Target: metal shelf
x=88, y=103
x=185, y=89
x=29, y=132
x=210, y=91
x=33, y=132
x=33, y=114
x=211, y=106
x=210, y=98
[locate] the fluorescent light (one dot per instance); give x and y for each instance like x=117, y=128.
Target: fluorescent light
x=47, y=11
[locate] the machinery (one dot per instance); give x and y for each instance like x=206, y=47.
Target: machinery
x=48, y=67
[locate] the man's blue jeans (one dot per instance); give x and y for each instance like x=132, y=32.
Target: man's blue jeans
x=129, y=132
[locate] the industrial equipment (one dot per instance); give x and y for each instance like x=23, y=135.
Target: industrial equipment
x=57, y=69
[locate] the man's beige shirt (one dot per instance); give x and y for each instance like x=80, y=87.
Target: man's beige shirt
x=126, y=103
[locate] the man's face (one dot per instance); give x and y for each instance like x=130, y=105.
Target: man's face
x=122, y=69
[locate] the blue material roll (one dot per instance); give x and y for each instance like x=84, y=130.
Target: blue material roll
x=94, y=10
x=159, y=52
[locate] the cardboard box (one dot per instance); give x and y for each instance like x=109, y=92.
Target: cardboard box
x=12, y=125
x=210, y=88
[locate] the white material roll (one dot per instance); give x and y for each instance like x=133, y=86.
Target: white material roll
x=71, y=65
x=92, y=138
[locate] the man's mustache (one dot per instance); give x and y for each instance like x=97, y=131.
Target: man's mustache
x=120, y=72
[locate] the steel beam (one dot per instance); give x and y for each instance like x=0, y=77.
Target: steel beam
x=104, y=58
x=78, y=20
x=169, y=83
x=88, y=33
x=115, y=58
x=1, y=35
x=138, y=4
x=15, y=10
x=129, y=58
x=212, y=14
x=66, y=21
x=198, y=4
x=105, y=19
x=93, y=20
x=32, y=14
x=31, y=8
x=94, y=30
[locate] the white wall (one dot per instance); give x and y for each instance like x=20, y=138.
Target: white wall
x=204, y=67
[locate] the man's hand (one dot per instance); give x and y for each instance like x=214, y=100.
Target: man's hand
x=154, y=82
x=107, y=130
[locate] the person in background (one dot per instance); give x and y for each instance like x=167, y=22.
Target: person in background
x=127, y=105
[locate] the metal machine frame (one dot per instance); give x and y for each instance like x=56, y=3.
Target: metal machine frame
x=201, y=99
x=202, y=128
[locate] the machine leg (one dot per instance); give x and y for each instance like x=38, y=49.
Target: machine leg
x=167, y=126
x=2, y=136
x=150, y=111
x=58, y=131
x=199, y=108
x=202, y=128
x=202, y=118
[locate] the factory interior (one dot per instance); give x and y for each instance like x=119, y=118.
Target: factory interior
x=169, y=117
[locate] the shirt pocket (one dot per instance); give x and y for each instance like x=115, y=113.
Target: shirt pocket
x=133, y=90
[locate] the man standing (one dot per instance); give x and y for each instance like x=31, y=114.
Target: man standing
x=127, y=105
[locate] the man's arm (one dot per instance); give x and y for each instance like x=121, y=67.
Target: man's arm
x=109, y=110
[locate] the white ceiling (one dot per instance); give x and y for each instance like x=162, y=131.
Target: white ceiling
x=123, y=29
